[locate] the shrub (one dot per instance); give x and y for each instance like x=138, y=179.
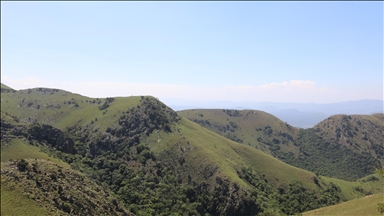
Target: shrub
x=22, y=165
x=380, y=207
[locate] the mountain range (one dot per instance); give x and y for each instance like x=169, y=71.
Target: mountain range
x=66, y=154
x=302, y=115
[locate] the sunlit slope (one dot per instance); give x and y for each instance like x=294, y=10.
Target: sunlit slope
x=5, y=88
x=159, y=150
x=208, y=147
x=63, y=109
x=249, y=127
x=19, y=149
x=345, y=147
x=357, y=207
x=204, y=148
x=361, y=133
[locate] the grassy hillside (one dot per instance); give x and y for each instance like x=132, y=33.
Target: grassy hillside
x=40, y=187
x=361, y=133
x=346, y=147
x=5, y=88
x=18, y=149
x=158, y=163
x=61, y=108
x=363, y=206
x=250, y=127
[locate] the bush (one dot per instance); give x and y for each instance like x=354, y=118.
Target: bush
x=22, y=165
x=380, y=207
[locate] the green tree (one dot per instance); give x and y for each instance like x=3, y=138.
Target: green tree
x=380, y=206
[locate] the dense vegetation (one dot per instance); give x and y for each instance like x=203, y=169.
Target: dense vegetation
x=345, y=147
x=338, y=161
x=143, y=158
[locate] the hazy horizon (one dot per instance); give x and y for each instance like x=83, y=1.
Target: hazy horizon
x=292, y=52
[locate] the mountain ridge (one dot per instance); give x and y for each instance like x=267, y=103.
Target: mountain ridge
x=157, y=162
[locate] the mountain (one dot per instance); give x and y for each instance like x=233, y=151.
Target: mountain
x=302, y=115
x=346, y=147
x=150, y=159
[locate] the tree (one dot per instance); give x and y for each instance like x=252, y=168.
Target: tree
x=380, y=206
x=22, y=165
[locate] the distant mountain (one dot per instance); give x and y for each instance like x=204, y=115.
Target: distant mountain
x=302, y=115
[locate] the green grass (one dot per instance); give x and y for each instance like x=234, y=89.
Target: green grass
x=347, y=187
x=357, y=207
x=247, y=123
x=13, y=203
x=16, y=104
x=208, y=147
x=18, y=149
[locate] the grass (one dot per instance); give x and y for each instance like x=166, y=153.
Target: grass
x=357, y=126
x=13, y=203
x=31, y=104
x=205, y=147
x=347, y=187
x=250, y=126
x=357, y=207
x=208, y=147
x=20, y=150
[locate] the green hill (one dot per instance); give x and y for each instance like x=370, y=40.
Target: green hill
x=363, y=206
x=345, y=147
x=5, y=88
x=158, y=163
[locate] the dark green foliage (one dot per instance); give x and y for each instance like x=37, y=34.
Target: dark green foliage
x=233, y=137
x=106, y=103
x=233, y=124
x=379, y=149
x=327, y=159
x=22, y=165
x=294, y=198
x=51, y=136
x=234, y=113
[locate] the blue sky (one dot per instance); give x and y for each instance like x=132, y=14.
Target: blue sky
x=235, y=51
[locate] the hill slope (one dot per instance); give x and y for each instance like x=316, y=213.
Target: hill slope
x=363, y=206
x=322, y=149
x=159, y=163
x=52, y=190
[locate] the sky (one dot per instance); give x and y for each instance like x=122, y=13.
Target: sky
x=320, y=52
